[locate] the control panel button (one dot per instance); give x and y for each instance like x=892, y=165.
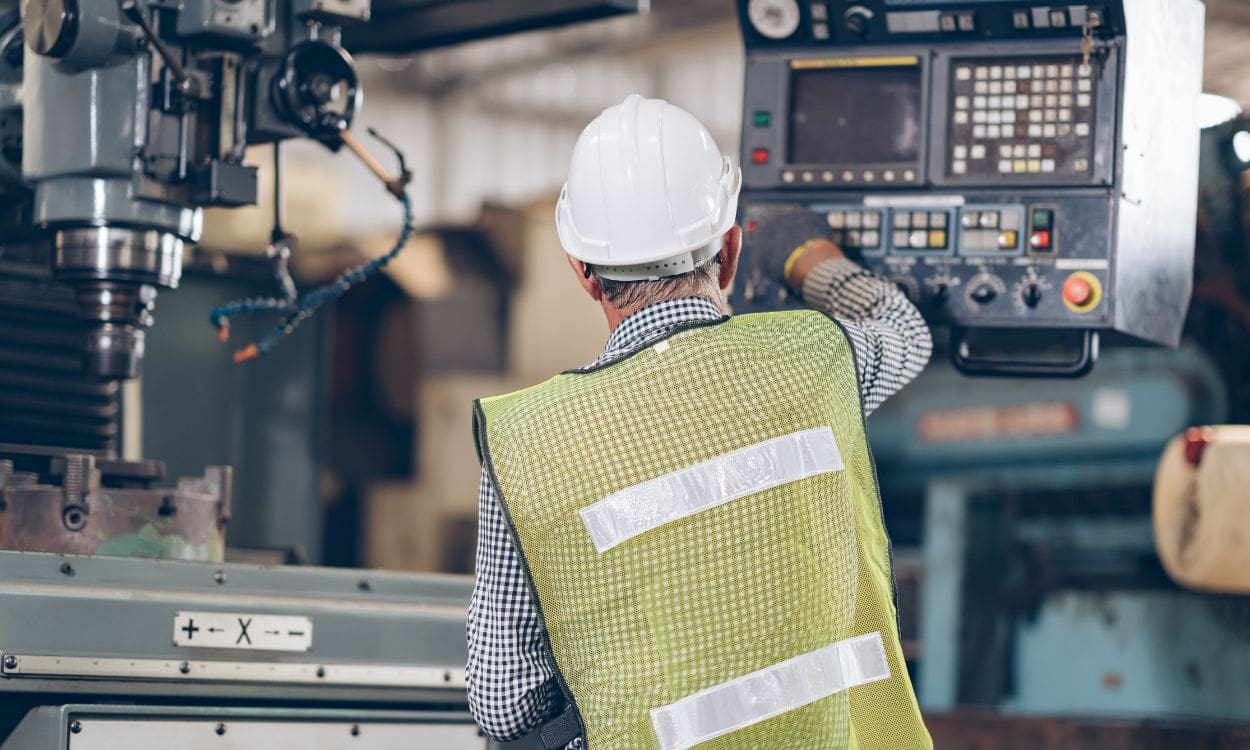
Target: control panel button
x=1040, y=240
x=1020, y=19
x=990, y=230
x=852, y=229
x=1077, y=291
x=1015, y=121
x=921, y=230
x=763, y=118
x=1082, y=291
x=760, y=156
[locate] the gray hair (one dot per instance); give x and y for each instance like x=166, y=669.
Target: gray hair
x=631, y=296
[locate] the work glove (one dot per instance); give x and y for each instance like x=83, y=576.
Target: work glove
x=779, y=234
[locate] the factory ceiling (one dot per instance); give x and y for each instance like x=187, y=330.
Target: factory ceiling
x=673, y=24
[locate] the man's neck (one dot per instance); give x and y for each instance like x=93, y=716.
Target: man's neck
x=617, y=315
x=614, y=314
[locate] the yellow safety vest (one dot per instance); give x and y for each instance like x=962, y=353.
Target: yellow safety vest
x=701, y=529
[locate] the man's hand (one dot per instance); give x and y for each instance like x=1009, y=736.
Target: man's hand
x=789, y=244
x=806, y=257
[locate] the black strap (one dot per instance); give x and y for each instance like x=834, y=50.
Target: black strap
x=563, y=730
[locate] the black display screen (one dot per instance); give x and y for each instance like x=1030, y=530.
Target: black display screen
x=855, y=116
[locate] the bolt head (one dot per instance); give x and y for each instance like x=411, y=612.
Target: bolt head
x=10, y=662
x=220, y=576
x=75, y=726
x=184, y=668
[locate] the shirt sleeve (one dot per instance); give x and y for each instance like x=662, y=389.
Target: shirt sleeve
x=891, y=341
x=509, y=673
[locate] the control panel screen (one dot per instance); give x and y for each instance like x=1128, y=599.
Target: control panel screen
x=856, y=116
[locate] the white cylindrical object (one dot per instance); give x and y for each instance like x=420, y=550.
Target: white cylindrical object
x=1202, y=509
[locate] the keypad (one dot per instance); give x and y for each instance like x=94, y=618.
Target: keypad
x=1016, y=117
x=856, y=229
x=921, y=230
x=989, y=230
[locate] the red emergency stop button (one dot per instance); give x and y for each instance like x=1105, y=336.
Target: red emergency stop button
x=760, y=156
x=1082, y=292
x=1077, y=291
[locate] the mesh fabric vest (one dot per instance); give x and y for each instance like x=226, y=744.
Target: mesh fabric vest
x=727, y=591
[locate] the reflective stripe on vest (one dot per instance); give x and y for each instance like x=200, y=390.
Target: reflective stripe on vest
x=725, y=478
x=770, y=692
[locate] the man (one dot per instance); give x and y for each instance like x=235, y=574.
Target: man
x=681, y=543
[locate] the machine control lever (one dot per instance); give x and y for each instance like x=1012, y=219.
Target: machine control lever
x=137, y=11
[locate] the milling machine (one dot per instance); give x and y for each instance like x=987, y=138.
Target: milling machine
x=120, y=624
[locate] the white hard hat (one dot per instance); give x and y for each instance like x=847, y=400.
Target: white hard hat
x=649, y=194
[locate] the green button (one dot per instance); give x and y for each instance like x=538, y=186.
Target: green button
x=763, y=118
x=1042, y=218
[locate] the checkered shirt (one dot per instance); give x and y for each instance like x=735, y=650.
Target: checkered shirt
x=510, y=674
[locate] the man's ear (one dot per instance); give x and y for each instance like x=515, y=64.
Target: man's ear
x=586, y=279
x=729, y=253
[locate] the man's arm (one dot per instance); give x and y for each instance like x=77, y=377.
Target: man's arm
x=509, y=675
x=891, y=341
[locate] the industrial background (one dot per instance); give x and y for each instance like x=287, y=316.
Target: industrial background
x=1035, y=610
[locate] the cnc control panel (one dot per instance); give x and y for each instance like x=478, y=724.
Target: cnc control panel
x=1009, y=164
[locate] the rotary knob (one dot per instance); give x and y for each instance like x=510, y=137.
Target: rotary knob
x=1031, y=295
x=856, y=20
x=50, y=26
x=983, y=289
x=983, y=294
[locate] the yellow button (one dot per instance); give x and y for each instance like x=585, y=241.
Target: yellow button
x=937, y=238
x=1008, y=240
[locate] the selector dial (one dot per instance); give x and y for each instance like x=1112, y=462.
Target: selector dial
x=1030, y=291
x=938, y=287
x=856, y=20
x=775, y=19
x=983, y=289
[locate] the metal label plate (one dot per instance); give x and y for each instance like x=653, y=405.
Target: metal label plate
x=242, y=631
